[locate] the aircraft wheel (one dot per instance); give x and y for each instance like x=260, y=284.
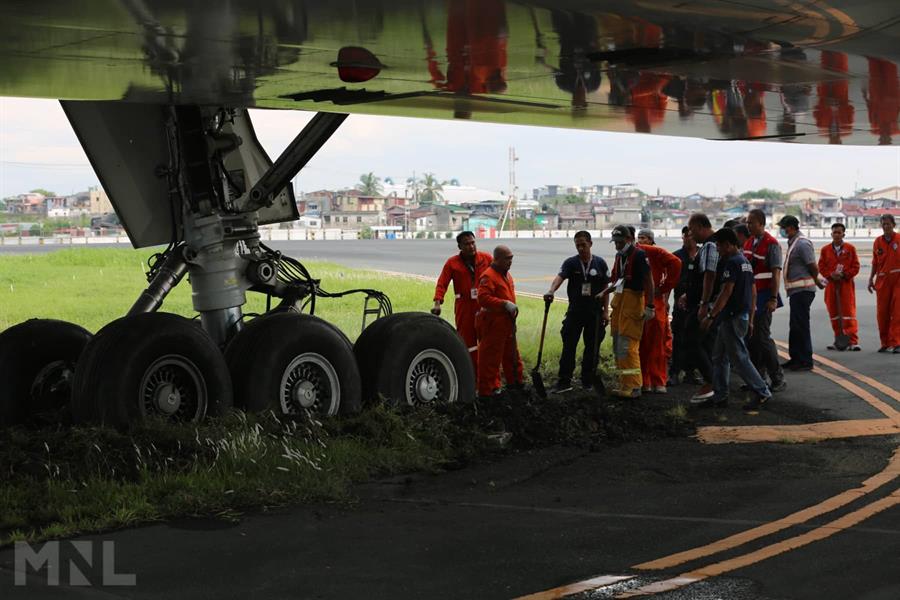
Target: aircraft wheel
x=37, y=363
x=154, y=365
x=415, y=358
x=289, y=363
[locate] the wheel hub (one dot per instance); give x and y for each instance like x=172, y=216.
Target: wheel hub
x=305, y=394
x=310, y=382
x=167, y=399
x=427, y=387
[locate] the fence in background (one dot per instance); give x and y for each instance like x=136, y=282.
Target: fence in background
x=283, y=235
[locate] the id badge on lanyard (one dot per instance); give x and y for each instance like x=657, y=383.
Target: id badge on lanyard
x=473, y=293
x=585, y=282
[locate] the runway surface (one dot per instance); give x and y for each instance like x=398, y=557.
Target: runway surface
x=799, y=502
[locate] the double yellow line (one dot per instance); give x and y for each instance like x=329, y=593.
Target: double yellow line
x=887, y=426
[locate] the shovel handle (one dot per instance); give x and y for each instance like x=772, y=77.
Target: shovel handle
x=543, y=331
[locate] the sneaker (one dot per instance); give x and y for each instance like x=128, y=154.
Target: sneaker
x=714, y=402
x=561, y=387
x=790, y=363
x=897, y=350
x=696, y=377
x=745, y=387
x=778, y=386
x=886, y=349
x=854, y=348
x=831, y=347
x=635, y=393
x=753, y=405
x=646, y=389
x=704, y=393
x=800, y=367
x=660, y=389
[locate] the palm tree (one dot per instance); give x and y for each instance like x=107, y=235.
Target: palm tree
x=431, y=189
x=369, y=185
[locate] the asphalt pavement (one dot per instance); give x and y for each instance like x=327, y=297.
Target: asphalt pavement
x=803, y=503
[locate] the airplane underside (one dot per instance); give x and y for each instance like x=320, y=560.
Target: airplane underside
x=158, y=94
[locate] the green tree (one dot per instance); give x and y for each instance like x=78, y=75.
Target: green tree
x=42, y=191
x=764, y=193
x=369, y=184
x=431, y=189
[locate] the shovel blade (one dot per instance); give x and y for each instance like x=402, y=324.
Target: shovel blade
x=537, y=382
x=842, y=342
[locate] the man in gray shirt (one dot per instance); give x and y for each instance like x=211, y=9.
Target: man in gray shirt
x=801, y=277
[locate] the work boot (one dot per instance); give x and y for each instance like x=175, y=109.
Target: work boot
x=886, y=349
x=854, y=348
x=631, y=394
x=778, y=386
x=562, y=386
x=660, y=389
x=712, y=402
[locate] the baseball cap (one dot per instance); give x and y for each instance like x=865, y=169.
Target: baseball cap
x=619, y=232
x=789, y=221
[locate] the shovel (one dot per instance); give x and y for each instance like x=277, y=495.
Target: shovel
x=598, y=377
x=842, y=341
x=536, y=379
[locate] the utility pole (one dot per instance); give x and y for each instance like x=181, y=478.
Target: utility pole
x=509, y=211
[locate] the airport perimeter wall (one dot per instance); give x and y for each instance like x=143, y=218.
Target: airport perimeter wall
x=275, y=235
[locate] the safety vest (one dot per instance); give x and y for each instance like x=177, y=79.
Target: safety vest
x=758, y=258
x=802, y=282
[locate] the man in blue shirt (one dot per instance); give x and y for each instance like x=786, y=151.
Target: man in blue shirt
x=587, y=275
x=733, y=312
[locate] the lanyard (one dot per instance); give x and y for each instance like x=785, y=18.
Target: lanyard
x=586, y=270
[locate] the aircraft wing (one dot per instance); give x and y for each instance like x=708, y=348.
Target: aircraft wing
x=802, y=71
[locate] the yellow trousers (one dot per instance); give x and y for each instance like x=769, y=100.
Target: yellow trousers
x=626, y=326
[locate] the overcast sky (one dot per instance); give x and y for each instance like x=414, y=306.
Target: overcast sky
x=39, y=149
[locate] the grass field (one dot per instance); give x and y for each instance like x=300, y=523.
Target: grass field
x=91, y=287
x=59, y=481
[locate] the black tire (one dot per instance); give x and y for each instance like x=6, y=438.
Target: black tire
x=369, y=349
x=154, y=365
x=286, y=362
x=415, y=341
x=37, y=363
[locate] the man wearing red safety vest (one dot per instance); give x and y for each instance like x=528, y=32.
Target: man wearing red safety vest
x=464, y=270
x=839, y=264
x=763, y=252
x=496, y=326
x=885, y=281
x=665, y=268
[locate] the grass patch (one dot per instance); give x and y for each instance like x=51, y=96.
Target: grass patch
x=93, y=286
x=58, y=482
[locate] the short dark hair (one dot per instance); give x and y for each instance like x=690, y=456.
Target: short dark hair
x=631, y=230
x=463, y=235
x=730, y=223
x=889, y=217
x=726, y=234
x=758, y=215
x=742, y=229
x=841, y=225
x=685, y=230
x=700, y=219
x=583, y=234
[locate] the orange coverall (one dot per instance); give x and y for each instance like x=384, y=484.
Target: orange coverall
x=886, y=266
x=496, y=333
x=665, y=269
x=465, y=286
x=846, y=262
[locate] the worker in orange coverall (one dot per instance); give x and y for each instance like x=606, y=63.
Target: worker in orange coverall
x=464, y=270
x=665, y=269
x=839, y=264
x=496, y=326
x=885, y=281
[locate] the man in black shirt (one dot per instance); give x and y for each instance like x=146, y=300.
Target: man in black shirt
x=733, y=312
x=587, y=276
x=680, y=352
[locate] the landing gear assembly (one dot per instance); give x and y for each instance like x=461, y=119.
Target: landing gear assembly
x=197, y=180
